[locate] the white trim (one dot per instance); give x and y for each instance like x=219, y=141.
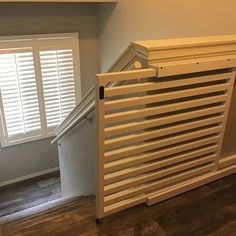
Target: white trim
x=30, y=37
x=26, y=140
x=30, y=176
x=77, y=71
x=39, y=86
x=2, y=122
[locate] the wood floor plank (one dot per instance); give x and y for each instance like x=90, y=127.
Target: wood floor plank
x=29, y=193
x=208, y=210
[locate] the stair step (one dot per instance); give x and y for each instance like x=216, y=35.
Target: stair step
x=37, y=209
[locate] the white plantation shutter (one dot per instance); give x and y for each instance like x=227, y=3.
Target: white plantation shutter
x=58, y=84
x=19, y=94
x=38, y=85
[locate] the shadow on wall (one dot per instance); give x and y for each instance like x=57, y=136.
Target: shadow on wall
x=106, y=12
x=40, y=18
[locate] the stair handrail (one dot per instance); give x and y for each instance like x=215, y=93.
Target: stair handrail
x=82, y=110
x=79, y=113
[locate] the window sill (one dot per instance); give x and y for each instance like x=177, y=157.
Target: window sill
x=26, y=140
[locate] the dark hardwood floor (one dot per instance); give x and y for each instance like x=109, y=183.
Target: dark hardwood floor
x=29, y=193
x=209, y=210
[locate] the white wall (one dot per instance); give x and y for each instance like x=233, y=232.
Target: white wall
x=77, y=154
x=151, y=19
x=24, y=18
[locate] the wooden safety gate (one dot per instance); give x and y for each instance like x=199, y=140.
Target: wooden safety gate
x=157, y=133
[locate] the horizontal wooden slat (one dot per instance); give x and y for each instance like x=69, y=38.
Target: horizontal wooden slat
x=154, y=155
x=119, y=196
x=108, y=210
x=188, y=185
x=227, y=161
x=194, y=65
x=148, y=176
x=134, y=126
x=134, y=138
x=105, y=78
x=135, y=101
x=142, y=197
x=132, y=150
x=158, y=196
x=150, y=86
x=138, y=113
x=140, y=169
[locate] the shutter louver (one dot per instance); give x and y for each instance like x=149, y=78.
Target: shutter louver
x=19, y=94
x=58, y=84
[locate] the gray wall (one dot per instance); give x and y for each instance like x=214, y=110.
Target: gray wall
x=20, y=19
x=25, y=159
x=150, y=19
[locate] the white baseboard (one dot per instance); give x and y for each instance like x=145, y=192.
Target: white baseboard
x=30, y=176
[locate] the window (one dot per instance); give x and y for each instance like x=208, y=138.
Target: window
x=39, y=85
